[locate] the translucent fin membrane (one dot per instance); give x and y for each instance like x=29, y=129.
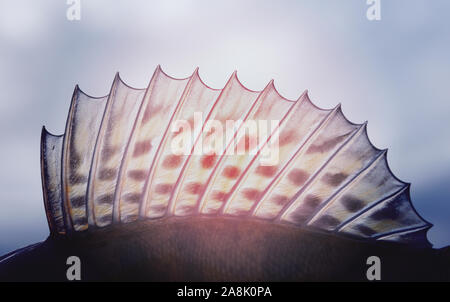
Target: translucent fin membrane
x=179, y=147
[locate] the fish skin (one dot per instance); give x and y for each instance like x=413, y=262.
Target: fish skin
x=220, y=249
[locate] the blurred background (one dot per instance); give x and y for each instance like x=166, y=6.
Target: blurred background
x=393, y=72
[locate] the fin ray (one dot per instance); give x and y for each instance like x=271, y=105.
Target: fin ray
x=51, y=148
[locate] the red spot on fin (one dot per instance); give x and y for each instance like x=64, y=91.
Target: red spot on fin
x=172, y=161
x=267, y=171
x=137, y=174
x=163, y=189
x=231, y=172
x=195, y=188
x=252, y=194
x=280, y=199
x=220, y=195
x=208, y=161
x=141, y=148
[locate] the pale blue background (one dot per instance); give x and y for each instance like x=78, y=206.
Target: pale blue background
x=394, y=73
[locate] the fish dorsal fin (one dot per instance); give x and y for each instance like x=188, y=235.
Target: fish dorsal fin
x=169, y=150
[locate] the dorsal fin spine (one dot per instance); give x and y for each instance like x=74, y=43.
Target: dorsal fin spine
x=51, y=209
x=65, y=162
x=47, y=205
